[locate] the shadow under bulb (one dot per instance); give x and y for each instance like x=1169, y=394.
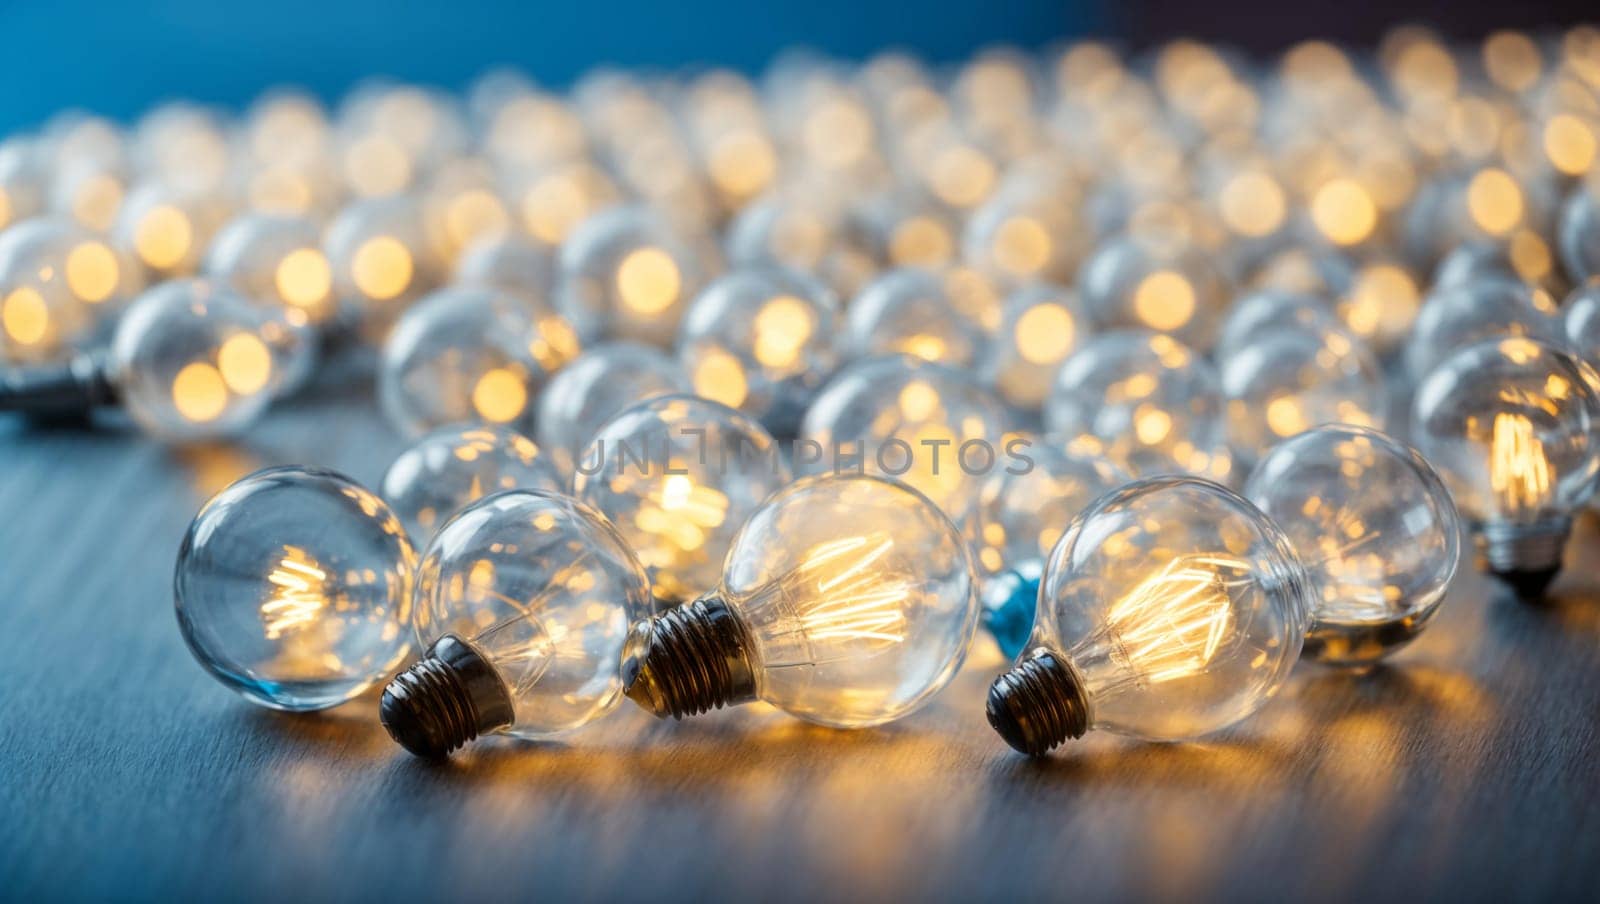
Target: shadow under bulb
x=846, y=601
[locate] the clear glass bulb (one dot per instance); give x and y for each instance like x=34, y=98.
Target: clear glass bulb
x=1578, y=233
x=1024, y=510
x=928, y=425
x=380, y=259
x=1266, y=310
x=56, y=281
x=510, y=263
x=169, y=228
x=443, y=472
x=1164, y=286
x=761, y=339
x=627, y=273
x=1286, y=381
x=524, y=604
x=927, y=314
x=804, y=230
x=848, y=601
x=1148, y=402
x=905, y=227
x=1512, y=424
x=1031, y=229
x=1374, y=527
x=677, y=475
x=293, y=588
x=1041, y=325
x=1380, y=303
x=191, y=360
x=467, y=354
x=275, y=260
x=1453, y=318
x=1581, y=318
x=1170, y=609
x=600, y=382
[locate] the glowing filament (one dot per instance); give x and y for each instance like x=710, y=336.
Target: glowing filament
x=1519, y=471
x=855, y=602
x=297, y=598
x=1172, y=624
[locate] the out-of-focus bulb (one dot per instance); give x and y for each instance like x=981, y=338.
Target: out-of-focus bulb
x=1581, y=318
x=1170, y=609
x=510, y=263
x=600, y=382
x=168, y=228
x=925, y=424
x=627, y=273
x=1041, y=325
x=380, y=258
x=1030, y=230
x=1268, y=310
x=1024, y=510
x=1146, y=401
x=760, y=339
x=1512, y=424
x=275, y=260
x=1578, y=233
x=806, y=231
x=1455, y=317
x=927, y=314
x=1380, y=304
x=1374, y=527
x=56, y=279
x=1157, y=285
x=293, y=588
x=467, y=354
x=443, y=472
x=848, y=601
x=524, y=604
x=677, y=475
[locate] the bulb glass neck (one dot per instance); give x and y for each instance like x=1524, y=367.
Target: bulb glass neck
x=451, y=696
x=1040, y=703
x=689, y=660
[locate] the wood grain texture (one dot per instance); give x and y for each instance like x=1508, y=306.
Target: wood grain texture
x=1466, y=770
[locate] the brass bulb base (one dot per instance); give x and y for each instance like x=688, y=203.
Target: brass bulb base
x=689, y=660
x=1039, y=704
x=450, y=697
x=1524, y=557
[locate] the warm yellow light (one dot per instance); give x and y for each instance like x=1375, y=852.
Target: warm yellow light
x=962, y=176
x=472, y=214
x=926, y=346
x=5, y=208
x=855, y=603
x=918, y=401
x=1530, y=256
x=920, y=240
x=297, y=597
x=199, y=393
x=25, y=316
x=499, y=395
x=303, y=278
x=92, y=272
x=1343, y=211
x=553, y=206
x=1383, y=302
x=1253, y=204
x=1022, y=246
x=1172, y=623
x=1151, y=425
x=554, y=343
x=1495, y=201
x=1044, y=334
x=96, y=200
x=377, y=165
x=719, y=376
x=648, y=280
x=742, y=163
x=1519, y=470
x=163, y=237
x=1164, y=300
x=1570, y=144
x=782, y=328
x=1512, y=60
x=1286, y=417
x=838, y=133
x=381, y=268
x=245, y=363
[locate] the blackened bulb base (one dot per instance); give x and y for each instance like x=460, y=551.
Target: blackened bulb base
x=689, y=660
x=1039, y=704
x=450, y=697
x=58, y=392
x=1524, y=557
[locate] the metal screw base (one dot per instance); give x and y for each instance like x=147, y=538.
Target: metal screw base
x=58, y=392
x=1038, y=704
x=689, y=660
x=1524, y=557
x=447, y=699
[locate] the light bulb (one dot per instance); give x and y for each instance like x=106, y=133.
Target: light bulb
x=627, y=273
x=907, y=228
x=524, y=603
x=1146, y=401
x=1030, y=229
x=677, y=475
x=293, y=588
x=1286, y=381
x=465, y=354
x=806, y=231
x=1154, y=284
x=1267, y=310
x=925, y=424
x=275, y=260
x=170, y=228
x=1024, y=510
x=1581, y=318
x=1374, y=527
x=188, y=361
x=380, y=259
x=928, y=314
x=1455, y=317
x=56, y=280
x=443, y=472
x=589, y=391
x=846, y=601
x=1170, y=609
x=510, y=263
x=1041, y=325
x=1578, y=233
x=761, y=339
x=1511, y=424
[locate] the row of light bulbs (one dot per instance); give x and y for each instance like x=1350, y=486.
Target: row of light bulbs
x=1245, y=247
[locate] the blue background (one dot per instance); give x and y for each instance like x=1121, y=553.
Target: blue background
x=119, y=59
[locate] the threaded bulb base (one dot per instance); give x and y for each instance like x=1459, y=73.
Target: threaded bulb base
x=689, y=660
x=1038, y=704
x=451, y=696
x=1523, y=557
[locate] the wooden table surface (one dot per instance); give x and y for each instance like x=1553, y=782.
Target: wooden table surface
x=1469, y=768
